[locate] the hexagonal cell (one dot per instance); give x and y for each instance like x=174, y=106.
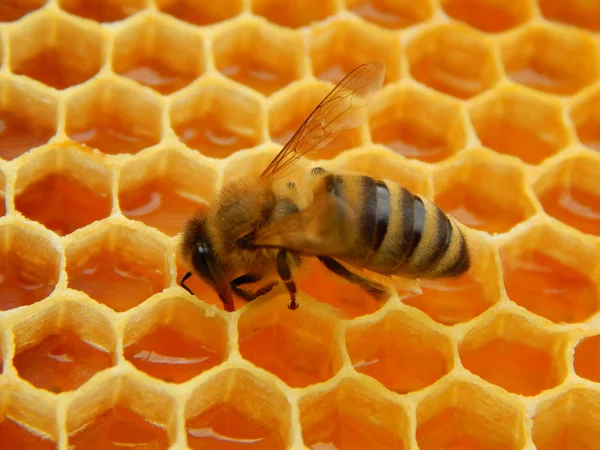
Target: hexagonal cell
x=117, y=265
x=454, y=300
x=57, y=51
x=294, y=14
x=236, y=408
x=156, y=53
x=291, y=107
x=351, y=416
x=28, y=118
x=536, y=58
x=29, y=267
x=582, y=14
x=164, y=189
x=329, y=45
x=499, y=202
x=260, y=56
x=516, y=122
x=64, y=189
x=515, y=353
x=568, y=191
x=586, y=361
x=461, y=417
x=568, y=421
x=453, y=59
x=201, y=13
x=103, y=10
x=27, y=420
x=301, y=346
x=401, y=351
x=121, y=411
x=552, y=273
x=491, y=16
x=217, y=119
x=61, y=347
x=175, y=340
x=12, y=10
x=114, y=117
x=586, y=118
x=392, y=14
x=418, y=124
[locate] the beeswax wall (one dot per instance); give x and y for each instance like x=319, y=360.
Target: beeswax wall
x=118, y=119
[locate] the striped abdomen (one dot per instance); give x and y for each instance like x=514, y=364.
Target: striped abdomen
x=399, y=232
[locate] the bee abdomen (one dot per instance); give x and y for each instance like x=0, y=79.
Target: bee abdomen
x=376, y=211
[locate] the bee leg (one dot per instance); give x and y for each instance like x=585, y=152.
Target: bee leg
x=316, y=171
x=183, y=280
x=376, y=290
x=250, y=278
x=285, y=272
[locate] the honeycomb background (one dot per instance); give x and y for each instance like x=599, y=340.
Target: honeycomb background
x=120, y=118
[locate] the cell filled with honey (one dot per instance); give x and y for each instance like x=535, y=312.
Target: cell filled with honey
x=200, y=13
x=18, y=436
x=586, y=119
x=15, y=9
x=103, y=10
x=581, y=14
x=490, y=16
x=586, y=361
x=392, y=14
x=292, y=14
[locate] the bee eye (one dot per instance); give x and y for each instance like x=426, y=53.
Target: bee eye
x=201, y=260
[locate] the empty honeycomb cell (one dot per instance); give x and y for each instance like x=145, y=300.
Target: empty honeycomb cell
x=103, y=10
x=60, y=348
x=121, y=412
x=467, y=416
x=351, y=417
x=569, y=192
x=552, y=273
x=454, y=300
x=165, y=189
x=294, y=14
x=400, y=351
x=236, y=408
x=201, y=13
x=391, y=14
x=299, y=346
x=491, y=16
x=28, y=117
x=580, y=13
x=568, y=421
x=12, y=10
x=515, y=354
x=175, y=340
x=586, y=361
x=28, y=420
x=216, y=119
x=484, y=192
x=453, y=59
x=329, y=45
x=56, y=51
x=114, y=117
x=117, y=265
x=64, y=189
x=536, y=57
x=291, y=107
x=260, y=56
x=29, y=267
x=158, y=54
x=586, y=118
x=418, y=124
x=516, y=122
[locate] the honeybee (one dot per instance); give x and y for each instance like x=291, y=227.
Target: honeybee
x=358, y=227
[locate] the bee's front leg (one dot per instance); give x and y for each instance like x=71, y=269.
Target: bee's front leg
x=285, y=272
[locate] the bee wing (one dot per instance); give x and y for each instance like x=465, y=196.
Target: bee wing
x=342, y=109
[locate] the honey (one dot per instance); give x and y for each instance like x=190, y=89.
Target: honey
x=512, y=365
x=549, y=288
x=581, y=14
x=573, y=206
x=117, y=283
x=448, y=80
x=223, y=427
x=589, y=134
x=18, y=135
x=486, y=15
x=171, y=356
x=16, y=436
x=12, y=10
x=160, y=204
x=293, y=15
x=260, y=77
x=199, y=13
x=586, y=360
x=119, y=428
x=61, y=362
x=387, y=14
x=63, y=204
x=544, y=80
x=102, y=10
x=158, y=76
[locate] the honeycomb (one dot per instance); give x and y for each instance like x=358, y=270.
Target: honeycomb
x=118, y=119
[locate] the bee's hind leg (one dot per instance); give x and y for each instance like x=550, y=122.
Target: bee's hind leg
x=248, y=295
x=376, y=290
x=285, y=272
